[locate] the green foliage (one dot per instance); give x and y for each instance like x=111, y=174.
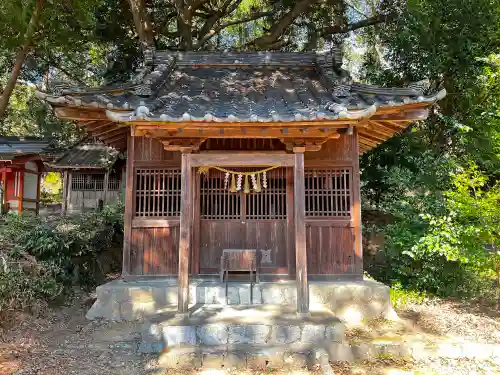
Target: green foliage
x=436, y=240
x=26, y=286
x=437, y=182
x=401, y=297
x=51, y=188
x=27, y=115
x=43, y=258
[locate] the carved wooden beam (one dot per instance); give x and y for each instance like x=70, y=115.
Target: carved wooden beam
x=310, y=144
x=182, y=144
x=248, y=132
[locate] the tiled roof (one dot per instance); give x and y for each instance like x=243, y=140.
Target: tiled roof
x=87, y=155
x=12, y=147
x=241, y=87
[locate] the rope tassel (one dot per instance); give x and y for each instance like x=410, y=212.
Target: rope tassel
x=237, y=178
x=247, y=185
x=258, y=188
x=233, y=184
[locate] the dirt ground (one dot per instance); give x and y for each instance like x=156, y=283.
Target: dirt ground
x=64, y=342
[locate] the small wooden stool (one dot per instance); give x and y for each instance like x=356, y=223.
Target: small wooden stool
x=239, y=260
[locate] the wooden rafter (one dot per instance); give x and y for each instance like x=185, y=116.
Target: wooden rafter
x=372, y=136
x=109, y=132
x=115, y=138
x=80, y=114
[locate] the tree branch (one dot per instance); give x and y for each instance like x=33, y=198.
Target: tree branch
x=340, y=29
x=223, y=26
x=21, y=55
x=142, y=22
x=196, y=4
x=184, y=25
x=52, y=63
x=227, y=8
x=355, y=9
x=286, y=20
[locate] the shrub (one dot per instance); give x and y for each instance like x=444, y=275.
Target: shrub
x=437, y=240
x=42, y=259
x=401, y=297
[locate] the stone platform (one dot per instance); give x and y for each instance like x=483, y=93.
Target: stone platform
x=349, y=301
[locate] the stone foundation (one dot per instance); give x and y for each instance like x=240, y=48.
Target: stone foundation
x=350, y=301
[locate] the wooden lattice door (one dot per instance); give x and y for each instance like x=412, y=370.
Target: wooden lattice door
x=238, y=220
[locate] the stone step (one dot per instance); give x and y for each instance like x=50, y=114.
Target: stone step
x=159, y=338
x=241, y=356
x=249, y=325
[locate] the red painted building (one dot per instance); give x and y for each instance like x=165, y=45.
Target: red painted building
x=21, y=166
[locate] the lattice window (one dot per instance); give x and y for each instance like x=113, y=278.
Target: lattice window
x=216, y=202
x=219, y=203
x=328, y=192
x=93, y=182
x=87, y=182
x=270, y=203
x=114, y=183
x=157, y=192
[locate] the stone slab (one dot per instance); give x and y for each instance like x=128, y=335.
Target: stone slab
x=249, y=334
x=179, y=335
x=286, y=334
x=212, y=334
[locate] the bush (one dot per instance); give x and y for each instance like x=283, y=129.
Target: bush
x=437, y=239
x=42, y=259
x=401, y=297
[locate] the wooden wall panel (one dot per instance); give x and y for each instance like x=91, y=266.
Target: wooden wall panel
x=330, y=250
x=334, y=150
x=154, y=251
x=149, y=149
x=216, y=235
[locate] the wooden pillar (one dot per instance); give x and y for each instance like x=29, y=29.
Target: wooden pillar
x=195, y=245
x=129, y=204
x=105, y=187
x=185, y=234
x=68, y=196
x=3, y=207
x=65, y=192
x=20, y=197
x=38, y=181
x=356, y=208
x=290, y=228
x=300, y=233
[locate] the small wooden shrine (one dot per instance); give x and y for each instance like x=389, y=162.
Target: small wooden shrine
x=92, y=175
x=21, y=166
x=243, y=151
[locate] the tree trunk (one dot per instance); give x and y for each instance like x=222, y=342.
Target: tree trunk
x=21, y=56
x=142, y=23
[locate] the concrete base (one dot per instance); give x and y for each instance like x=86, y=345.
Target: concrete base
x=350, y=301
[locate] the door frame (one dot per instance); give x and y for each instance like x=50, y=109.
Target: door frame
x=234, y=159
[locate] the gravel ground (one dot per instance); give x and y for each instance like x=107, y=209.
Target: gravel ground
x=64, y=342
x=434, y=320
x=439, y=366
x=468, y=322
